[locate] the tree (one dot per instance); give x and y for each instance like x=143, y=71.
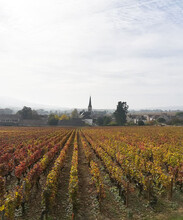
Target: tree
x=35, y=115
x=103, y=121
x=107, y=120
x=161, y=120
x=28, y=113
x=100, y=121
x=175, y=121
x=52, y=119
x=64, y=117
x=140, y=123
x=180, y=114
x=121, y=113
x=74, y=113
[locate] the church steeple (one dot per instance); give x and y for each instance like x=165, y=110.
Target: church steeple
x=90, y=105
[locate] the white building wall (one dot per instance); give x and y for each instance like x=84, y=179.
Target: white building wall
x=88, y=121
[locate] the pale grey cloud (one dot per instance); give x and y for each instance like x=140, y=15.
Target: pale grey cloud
x=60, y=52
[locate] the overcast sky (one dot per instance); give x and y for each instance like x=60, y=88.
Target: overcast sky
x=59, y=52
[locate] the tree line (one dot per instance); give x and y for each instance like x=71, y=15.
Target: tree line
x=120, y=116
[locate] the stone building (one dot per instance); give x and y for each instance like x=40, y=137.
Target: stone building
x=87, y=116
x=9, y=120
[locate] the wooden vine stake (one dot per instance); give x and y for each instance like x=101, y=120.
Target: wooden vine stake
x=100, y=196
x=72, y=216
x=3, y=215
x=44, y=215
x=23, y=200
x=149, y=189
x=117, y=149
x=127, y=194
x=171, y=190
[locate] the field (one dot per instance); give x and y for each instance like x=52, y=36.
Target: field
x=91, y=173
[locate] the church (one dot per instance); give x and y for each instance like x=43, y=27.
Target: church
x=87, y=116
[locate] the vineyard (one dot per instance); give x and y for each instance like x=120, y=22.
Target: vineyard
x=91, y=173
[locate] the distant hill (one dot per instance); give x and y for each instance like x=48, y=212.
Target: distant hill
x=159, y=109
x=8, y=102
x=15, y=104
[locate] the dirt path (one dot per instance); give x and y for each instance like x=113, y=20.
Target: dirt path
x=112, y=208
x=63, y=210
x=88, y=207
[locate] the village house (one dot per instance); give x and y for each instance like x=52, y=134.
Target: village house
x=148, y=118
x=9, y=120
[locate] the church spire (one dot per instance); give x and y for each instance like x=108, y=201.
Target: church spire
x=90, y=105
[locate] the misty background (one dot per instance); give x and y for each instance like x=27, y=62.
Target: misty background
x=58, y=53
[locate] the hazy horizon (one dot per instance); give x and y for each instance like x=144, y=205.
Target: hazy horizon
x=58, y=53
x=19, y=104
